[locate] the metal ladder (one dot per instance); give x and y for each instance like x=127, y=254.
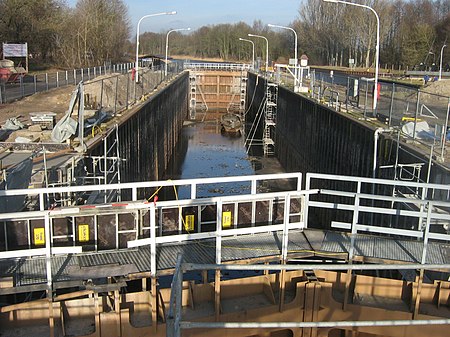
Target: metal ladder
x=270, y=119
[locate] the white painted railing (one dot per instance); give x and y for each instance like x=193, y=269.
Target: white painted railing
x=218, y=66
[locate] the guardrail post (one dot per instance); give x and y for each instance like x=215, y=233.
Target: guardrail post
x=101, y=95
x=391, y=108
x=287, y=210
x=115, y=95
x=417, y=114
x=153, y=240
x=219, y=232
x=354, y=222
x=444, y=133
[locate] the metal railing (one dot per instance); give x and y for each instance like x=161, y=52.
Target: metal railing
x=355, y=204
x=421, y=116
x=217, y=66
x=32, y=84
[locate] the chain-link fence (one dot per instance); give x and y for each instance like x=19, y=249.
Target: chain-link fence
x=118, y=91
x=31, y=84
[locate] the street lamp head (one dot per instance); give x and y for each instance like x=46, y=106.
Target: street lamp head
x=334, y=1
x=270, y=25
x=171, y=13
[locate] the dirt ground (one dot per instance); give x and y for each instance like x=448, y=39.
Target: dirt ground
x=57, y=101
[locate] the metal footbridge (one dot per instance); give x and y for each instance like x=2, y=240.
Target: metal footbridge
x=353, y=219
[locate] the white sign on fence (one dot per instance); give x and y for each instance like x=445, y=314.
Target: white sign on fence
x=15, y=50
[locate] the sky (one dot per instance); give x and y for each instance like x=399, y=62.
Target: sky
x=197, y=13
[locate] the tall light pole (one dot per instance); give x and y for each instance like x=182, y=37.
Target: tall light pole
x=267, y=48
x=295, y=50
x=253, y=50
x=440, y=62
x=167, y=45
x=377, y=49
x=137, y=38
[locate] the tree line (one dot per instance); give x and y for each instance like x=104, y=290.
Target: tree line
x=412, y=32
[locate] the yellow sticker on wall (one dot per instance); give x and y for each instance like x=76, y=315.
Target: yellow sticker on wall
x=39, y=236
x=189, y=223
x=226, y=219
x=83, y=232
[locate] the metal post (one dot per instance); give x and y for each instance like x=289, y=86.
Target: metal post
x=95, y=72
x=115, y=95
x=22, y=91
x=391, y=108
x=444, y=136
x=417, y=114
x=67, y=78
x=82, y=74
x=75, y=76
x=101, y=98
x=128, y=90
x=35, y=83
x=365, y=100
x=153, y=267
x=89, y=73
x=57, y=79
x=46, y=81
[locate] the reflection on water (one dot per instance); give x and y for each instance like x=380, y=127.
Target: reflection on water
x=205, y=152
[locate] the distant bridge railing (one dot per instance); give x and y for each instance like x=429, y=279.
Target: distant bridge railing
x=218, y=66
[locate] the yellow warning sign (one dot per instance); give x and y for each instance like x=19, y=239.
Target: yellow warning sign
x=83, y=232
x=226, y=219
x=190, y=223
x=39, y=236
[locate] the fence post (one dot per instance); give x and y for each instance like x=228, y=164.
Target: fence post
x=89, y=73
x=444, y=136
x=22, y=90
x=57, y=79
x=101, y=95
x=128, y=88
x=75, y=76
x=35, y=83
x=67, y=78
x=46, y=81
x=1, y=99
x=95, y=72
x=82, y=74
x=115, y=96
x=417, y=113
x=391, y=108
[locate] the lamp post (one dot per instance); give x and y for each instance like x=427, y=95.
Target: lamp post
x=137, y=38
x=267, y=48
x=253, y=50
x=295, y=50
x=440, y=62
x=377, y=49
x=167, y=45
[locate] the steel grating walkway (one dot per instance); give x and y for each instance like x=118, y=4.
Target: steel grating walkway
x=32, y=271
